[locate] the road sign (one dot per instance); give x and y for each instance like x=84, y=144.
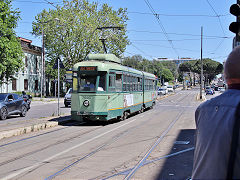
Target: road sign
x=55, y=66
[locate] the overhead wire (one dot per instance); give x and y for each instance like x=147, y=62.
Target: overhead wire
x=220, y=43
x=142, y=51
x=216, y=15
x=190, y=50
x=51, y=3
x=179, y=34
x=157, y=40
x=161, y=25
x=35, y=2
x=182, y=15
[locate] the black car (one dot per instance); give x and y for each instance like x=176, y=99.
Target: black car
x=11, y=104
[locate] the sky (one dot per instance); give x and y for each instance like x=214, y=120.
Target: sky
x=175, y=32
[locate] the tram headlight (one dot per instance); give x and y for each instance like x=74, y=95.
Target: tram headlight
x=86, y=103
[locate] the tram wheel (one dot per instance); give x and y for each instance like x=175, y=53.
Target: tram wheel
x=125, y=115
x=142, y=109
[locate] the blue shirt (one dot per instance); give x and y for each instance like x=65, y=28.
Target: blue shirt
x=214, y=122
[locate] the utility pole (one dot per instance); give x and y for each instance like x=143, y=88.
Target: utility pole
x=201, y=64
x=58, y=64
x=42, y=77
x=43, y=84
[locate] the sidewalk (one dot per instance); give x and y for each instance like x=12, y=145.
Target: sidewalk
x=33, y=125
x=48, y=99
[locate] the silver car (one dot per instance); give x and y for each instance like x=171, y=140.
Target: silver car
x=162, y=91
x=67, y=98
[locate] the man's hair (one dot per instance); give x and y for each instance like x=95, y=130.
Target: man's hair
x=232, y=65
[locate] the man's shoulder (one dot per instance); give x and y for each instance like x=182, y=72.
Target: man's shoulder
x=228, y=98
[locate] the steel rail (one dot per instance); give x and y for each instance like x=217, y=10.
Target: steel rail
x=114, y=139
x=141, y=162
x=151, y=161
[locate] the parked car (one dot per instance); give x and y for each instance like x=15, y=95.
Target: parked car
x=162, y=91
x=209, y=91
x=222, y=89
x=165, y=88
x=170, y=88
x=67, y=98
x=208, y=88
x=11, y=104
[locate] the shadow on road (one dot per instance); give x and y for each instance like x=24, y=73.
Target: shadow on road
x=179, y=166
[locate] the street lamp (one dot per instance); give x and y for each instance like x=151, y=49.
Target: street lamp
x=43, y=59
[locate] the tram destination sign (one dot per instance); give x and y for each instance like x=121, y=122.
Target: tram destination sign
x=88, y=68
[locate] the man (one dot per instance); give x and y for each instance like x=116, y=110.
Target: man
x=89, y=85
x=217, y=152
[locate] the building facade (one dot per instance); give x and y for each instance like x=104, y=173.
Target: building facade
x=29, y=79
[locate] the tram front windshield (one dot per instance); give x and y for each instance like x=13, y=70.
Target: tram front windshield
x=88, y=83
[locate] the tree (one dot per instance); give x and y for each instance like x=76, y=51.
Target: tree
x=167, y=75
x=75, y=35
x=11, y=54
x=160, y=69
x=210, y=68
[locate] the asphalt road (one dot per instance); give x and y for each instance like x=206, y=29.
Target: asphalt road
x=40, y=109
x=156, y=144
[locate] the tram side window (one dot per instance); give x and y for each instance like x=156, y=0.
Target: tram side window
x=141, y=81
x=124, y=82
x=146, y=84
x=128, y=83
x=151, y=84
x=135, y=84
x=102, y=83
x=112, y=85
x=119, y=82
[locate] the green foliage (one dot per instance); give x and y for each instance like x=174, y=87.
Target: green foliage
x=73, y=35
x=210, y=68
x=167, y=75
x=163, y=70
x=10, y=48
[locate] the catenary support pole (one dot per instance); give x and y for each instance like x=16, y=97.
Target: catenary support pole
x=201, y=83
x=58, y=82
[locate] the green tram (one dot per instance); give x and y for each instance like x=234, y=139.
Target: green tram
x=103, y=89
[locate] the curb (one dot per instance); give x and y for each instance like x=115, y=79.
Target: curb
x=165, y=96
x=33, y=128
x=203, y=97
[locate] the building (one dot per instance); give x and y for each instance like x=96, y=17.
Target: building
x=177, y=61
x=29, y=79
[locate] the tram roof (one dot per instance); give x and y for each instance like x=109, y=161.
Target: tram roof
x=104, y=57
x=109, y=65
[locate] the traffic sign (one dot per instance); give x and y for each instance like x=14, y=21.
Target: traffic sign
x=61, y=66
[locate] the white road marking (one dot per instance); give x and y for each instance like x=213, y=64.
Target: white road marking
x=61, y=153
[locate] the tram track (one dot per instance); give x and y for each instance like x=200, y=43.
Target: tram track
x=42, y=134
x=141, y=163
x=99, y=148
x=129, y=173
x=157, y=142
x=42, y=148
